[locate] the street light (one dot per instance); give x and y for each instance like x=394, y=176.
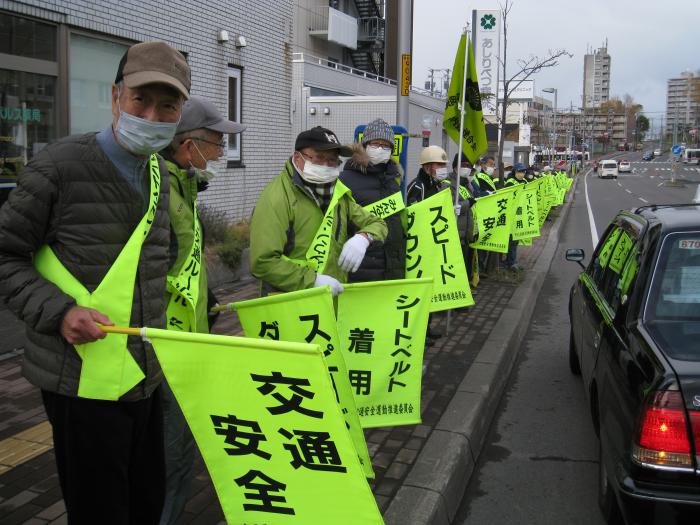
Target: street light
x=554, y=118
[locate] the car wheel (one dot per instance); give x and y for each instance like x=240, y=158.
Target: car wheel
x=574, y=364
x=606, y=496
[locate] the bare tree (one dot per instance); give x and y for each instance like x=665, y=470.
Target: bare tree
x=526, y=68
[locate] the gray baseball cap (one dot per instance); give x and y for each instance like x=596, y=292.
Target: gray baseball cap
x=198, y=113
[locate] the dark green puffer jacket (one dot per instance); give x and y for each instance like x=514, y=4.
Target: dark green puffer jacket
x=71, y=197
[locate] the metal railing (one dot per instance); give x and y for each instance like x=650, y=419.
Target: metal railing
x=310, y=59
x=371, y=29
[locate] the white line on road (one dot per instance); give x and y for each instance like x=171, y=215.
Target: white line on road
x=591, y=221
x=659, y=184
x=643, y=200
x=619, y=185
x=628, y=191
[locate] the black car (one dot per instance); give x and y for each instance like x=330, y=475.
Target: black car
x=635, y=340
x=649, y=155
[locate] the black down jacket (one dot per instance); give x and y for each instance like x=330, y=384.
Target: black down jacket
x=71, y=197
x=369, y=184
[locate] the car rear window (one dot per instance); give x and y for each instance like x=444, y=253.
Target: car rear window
x=675, y=291
x=609, y=165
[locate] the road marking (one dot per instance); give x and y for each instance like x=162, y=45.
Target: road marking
x=628, y=191
x=659, y=184
x=643, y=200
x=619, y=185
x=591, y=221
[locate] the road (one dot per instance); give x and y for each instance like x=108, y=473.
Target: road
x=539, y=464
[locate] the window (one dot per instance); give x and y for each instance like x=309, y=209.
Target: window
x=233, y=149
x=27, y=38
x=93, y=64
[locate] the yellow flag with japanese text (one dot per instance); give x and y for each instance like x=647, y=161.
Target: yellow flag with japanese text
x=433, y=249
x=307, y=316
x=381, y=326
x=271, y=433
x=493, y=215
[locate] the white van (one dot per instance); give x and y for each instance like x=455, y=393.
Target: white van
x=607, y=168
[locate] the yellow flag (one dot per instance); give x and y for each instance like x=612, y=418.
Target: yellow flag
x=384, y=349
x=433, y=249
x=474, y=141
x=307, y=316
x=271, y=433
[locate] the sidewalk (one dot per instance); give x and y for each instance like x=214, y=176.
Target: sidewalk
x=421, y=470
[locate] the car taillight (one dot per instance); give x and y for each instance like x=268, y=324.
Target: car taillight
x=662, y=438
x=695, y=424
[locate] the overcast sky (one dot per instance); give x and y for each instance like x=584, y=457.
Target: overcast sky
x=648, y=42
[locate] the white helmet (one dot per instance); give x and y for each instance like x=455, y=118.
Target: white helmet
x=433, y=154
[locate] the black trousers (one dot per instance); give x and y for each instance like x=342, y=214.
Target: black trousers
x=109, y=456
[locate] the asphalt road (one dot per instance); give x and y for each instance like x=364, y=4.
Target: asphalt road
x=539, y=465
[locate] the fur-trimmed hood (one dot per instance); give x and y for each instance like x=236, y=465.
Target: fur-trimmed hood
x=360, y=162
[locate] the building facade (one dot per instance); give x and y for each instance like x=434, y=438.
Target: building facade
x=58, y=60
x=596, y=77
x=682, y=106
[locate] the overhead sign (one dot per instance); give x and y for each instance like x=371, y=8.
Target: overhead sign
x=677, y=150
x=486, y=45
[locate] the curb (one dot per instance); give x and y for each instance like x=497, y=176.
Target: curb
x=433, y=489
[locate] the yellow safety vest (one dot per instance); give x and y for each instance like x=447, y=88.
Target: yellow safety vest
x=108, y=370
x=184, y=288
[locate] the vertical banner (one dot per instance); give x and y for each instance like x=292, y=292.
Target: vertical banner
x=474, y=141
x=382, y=327
x=307, y=316
x=541, y=201
x=492, y=215
x=525, y=218
x=266, y=420
x=486, y=27
x=433, y=249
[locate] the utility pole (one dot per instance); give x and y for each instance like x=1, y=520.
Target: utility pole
x=403, y=88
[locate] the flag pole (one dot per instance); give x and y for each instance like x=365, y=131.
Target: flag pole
x=127, y=330
x=462, y=110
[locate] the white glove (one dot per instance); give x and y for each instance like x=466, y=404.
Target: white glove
x=353, y=252
x=327, y=280
x=458, y=210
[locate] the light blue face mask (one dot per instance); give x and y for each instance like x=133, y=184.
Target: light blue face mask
x=143, y=137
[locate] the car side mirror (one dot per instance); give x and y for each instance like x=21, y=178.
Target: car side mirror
x=576, y=255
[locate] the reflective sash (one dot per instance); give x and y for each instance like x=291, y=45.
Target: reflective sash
x=108, y=370
x=184, y=287
x=387, y=207
x=486, y=179
x=320, y=247
x=463, y=192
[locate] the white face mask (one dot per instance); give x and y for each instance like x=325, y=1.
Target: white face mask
x=489, y=170
x=206, y=174
x=441, y=173
x=465, y=172
x=318, y=174
x=377, y=155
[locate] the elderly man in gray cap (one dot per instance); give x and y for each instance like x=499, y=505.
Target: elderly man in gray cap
x=84, y=243
x=199, y=140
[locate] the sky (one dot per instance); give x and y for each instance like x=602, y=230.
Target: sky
x=649, y=41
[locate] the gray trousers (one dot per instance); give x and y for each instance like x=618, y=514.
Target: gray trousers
x=179, y=457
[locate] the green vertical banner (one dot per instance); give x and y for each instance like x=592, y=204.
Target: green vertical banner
x=271, y=433
x=307, y=316
x=433, y=249
x=492, y=214
x=474, y=141
x=620, y=253
x=525, y=218
x=541, y=202
x=383, y=348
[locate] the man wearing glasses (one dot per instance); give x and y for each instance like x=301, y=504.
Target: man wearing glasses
x=199, y=140
x=299, y=230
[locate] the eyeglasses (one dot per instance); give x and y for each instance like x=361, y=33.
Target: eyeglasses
x=220, y=145
x=326, y=161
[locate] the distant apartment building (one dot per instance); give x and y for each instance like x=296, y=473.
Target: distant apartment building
x=596, y=77
x=682, y=105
